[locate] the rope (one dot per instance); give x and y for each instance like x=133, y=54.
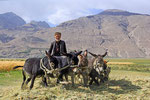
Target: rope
x=55, y=71
x=50, y=65
x=44, y=68
x=41, y=63
x=52, y=71
x=79, y=67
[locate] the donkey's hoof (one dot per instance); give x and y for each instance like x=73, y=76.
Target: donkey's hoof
x=46, y=85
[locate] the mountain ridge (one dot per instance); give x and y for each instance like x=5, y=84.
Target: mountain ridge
x=125, y=35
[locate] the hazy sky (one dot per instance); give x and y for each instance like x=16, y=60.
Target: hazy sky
x=58, y=11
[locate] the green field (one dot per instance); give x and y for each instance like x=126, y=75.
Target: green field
x=127, y=82
x=138, y=61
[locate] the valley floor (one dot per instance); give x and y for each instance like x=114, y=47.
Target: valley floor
x=123, y=85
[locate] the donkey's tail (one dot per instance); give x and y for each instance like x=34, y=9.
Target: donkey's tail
x=17, y=67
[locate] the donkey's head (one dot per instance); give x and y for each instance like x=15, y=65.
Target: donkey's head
x=98, y=61
x=83, y=60
x=73, y=57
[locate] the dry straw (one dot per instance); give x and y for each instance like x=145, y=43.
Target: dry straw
x=8, y=65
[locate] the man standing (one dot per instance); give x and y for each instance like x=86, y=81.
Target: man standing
x=58, y=46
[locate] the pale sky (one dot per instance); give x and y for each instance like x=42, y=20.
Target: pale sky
x=58, y=11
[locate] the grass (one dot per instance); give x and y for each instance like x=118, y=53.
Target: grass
x=135, y=61
x=140, y=65
x=123, y=85
x=127, y=82
x=132, y=67
x=8, y=77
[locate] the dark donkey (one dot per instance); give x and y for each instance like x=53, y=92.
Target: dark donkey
x=97, y=68
x=72, y=60
x=37, y=67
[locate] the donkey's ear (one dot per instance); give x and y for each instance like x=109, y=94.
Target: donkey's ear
x=93, y=54
x=104, y=54
x=78, y=53
x=47, y=54
x=85, y=53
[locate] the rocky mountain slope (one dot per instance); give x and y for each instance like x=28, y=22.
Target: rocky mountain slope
x=125, y=34
x=10, y=20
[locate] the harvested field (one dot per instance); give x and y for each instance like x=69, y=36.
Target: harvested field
x=8, y=65
x=123, y=85
x=127, y=82
x=124, y=63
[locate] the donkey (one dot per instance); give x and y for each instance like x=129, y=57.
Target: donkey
x=83, y=67
x=32, y=67
x=71, y=59
x=97, y=68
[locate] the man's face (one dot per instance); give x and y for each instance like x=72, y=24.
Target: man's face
x=57, y=37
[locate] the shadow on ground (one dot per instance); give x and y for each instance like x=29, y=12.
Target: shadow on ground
x=113, y=86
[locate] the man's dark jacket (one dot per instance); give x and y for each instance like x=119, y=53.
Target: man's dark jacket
x=62, y=48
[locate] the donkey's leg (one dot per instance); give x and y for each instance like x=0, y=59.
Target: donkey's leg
x=44, y=81
x=66, y=77
x=96, y=81
x=85, y=79
x=72, y=78
x=32, y=82
x=101, y=77
x=24, y=79
x=79, y=78
x=48, y=79
x=91, y=81
x=28, y=80
x=106, y=74
x=91, y=75
x=60, y=77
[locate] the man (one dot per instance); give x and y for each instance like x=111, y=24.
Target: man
x=56, y=49
x=58, y=46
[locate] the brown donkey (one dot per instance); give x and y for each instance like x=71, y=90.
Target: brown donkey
x=83, y=67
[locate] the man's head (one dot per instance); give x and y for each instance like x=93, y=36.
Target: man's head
x=57, y=36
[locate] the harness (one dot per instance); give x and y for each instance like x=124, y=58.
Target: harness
x=52, y=71
x=46, y=71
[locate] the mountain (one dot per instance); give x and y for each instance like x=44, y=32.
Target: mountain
x=40, y=24
x=125, y=34
x=10, y=20
x=117, y=12
x=34, y=26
